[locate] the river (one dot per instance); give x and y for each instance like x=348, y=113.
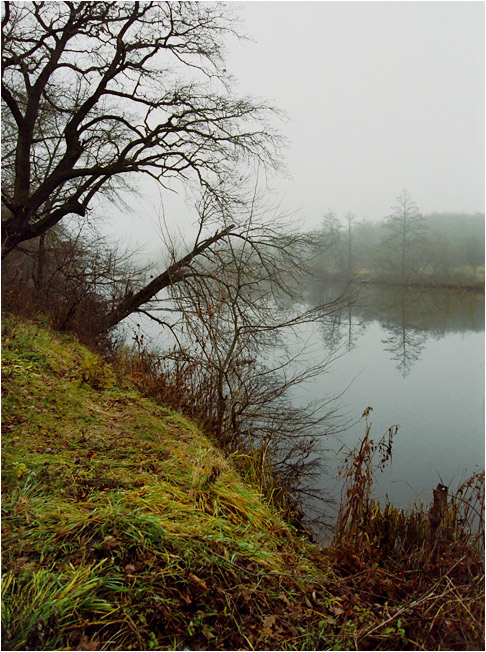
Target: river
x=417, y=358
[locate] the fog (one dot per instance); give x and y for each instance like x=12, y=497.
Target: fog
x=378, y=95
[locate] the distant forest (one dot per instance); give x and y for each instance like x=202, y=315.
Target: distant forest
x=406, y=247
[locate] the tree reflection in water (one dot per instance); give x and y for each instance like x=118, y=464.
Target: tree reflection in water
x=343, y=328
x=409, y=316
x=405, y=346
x=405, y=339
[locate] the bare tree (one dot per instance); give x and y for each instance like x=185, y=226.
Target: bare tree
x=258, y=264
x=95, y=92
x=405, y=236
x=350, y=218
x=98, y=92
x=332, y=231
x=239, y=316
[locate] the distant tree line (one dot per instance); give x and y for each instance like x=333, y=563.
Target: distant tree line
x=405, y=247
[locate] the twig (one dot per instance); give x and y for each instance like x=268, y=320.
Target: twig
x=414, y=604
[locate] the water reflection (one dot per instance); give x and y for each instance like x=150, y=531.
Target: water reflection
x=416, y=357
x=342, y=328
x=404, y=340
x=405, y=346
x=408, y=317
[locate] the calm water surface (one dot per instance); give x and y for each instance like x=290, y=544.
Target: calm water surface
x=417, y=358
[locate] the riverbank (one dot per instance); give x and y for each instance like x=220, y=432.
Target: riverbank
x=462, y=280
x=467, y=282
x=475, y=285
x=124, y=527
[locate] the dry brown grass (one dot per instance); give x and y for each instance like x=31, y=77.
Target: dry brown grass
x=416, y=576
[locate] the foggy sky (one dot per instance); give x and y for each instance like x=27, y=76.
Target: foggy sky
x=380, y=96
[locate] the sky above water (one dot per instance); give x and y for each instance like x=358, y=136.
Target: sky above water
x=379, y=96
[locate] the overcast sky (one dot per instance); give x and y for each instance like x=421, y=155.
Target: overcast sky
x=380, y=96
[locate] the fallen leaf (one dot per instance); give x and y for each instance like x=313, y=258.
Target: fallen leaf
x=268, y=625
x=283, y=597
x=201, y=582
x=207, y=632
x=86, y=644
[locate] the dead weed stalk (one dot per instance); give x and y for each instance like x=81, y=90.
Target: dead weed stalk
x=411, y=579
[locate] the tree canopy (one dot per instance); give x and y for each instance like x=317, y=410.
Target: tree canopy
x=95, y=92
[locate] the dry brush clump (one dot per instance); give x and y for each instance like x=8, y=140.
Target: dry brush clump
x=416, y=576
x=72, y=277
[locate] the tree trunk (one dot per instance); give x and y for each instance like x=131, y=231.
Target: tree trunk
x=172, y=274
x=39, y=269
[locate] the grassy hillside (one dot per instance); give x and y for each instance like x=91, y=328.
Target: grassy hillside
x=125, y=528
x=123, y=525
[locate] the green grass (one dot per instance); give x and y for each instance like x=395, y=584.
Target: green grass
x=460, y=278
x=123, y=526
